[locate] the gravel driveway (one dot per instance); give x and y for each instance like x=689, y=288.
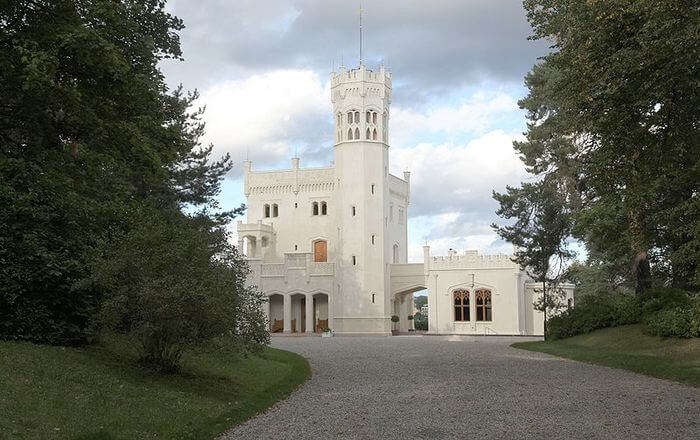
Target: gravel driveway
x=441, y=387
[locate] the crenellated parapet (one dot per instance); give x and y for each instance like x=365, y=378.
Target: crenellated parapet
x=472, y=259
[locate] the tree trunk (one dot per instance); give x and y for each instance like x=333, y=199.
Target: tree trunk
x=544, y=300
x=641, y=270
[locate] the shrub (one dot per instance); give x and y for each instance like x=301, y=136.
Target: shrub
x=394, y=318
x=677, y=322
x=594, y=312
x=420, y=321
x=173, y=286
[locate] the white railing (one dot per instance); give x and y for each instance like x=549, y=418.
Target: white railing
x=321, y=268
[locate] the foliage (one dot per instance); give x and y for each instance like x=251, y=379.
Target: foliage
x=410, y=317
x=594, y=312
x=420, y=322
x=395, y=318
x=676, y=322
x=629, y=348
x=215, y=391
x=613, y=122
x=174, y=287
x=541, y=226
x=420, y=301
x=90, y=141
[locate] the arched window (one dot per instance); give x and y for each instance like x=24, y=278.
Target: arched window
x=374, y=135
x=371, y=188
x=349, y=134
x=367, y=135
x=374, y=118
x=461, y=304
x=372, y=239
x=266, y=210
x=349, y=117
x=314, y=208
x=357, y=134
x=320, y=251
x=340, y=121
x=483, y=304
x=396, y=253
x=324, y=210
x=357, y=117
x=368, y=116
x=275, y=210
x=353, y=211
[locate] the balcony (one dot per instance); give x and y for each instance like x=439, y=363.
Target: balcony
x=300, y=262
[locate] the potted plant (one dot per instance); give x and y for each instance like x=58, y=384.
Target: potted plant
x=410, y=321
x=394, y=319
x=327, y=333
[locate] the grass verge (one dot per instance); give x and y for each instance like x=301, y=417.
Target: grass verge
x=99, y=393
x=627, y=347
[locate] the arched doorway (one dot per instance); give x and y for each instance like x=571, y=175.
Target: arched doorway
x=276, y=313
x=320, y=310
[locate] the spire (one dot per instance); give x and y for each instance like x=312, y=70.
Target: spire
x=360, y=32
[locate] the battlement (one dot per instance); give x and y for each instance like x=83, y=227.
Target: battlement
x=361, y=74
x=472, y=259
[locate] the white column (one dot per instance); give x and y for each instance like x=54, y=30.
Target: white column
x=287, y=313
x=310, y=318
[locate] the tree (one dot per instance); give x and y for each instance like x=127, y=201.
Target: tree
x=613, y=119
x=420, y=301
x=90, y=140
x=539, y=232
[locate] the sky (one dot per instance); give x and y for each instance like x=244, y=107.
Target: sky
x=262, y=68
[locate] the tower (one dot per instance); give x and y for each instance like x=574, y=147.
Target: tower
x=361, y=100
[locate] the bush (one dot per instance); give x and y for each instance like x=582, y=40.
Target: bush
x=420, y=322
x=174, y=286
x=594, y=312
x=677, y=322
x=394, y=318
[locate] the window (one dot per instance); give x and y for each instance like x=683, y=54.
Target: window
x=340, y=119
x=461, y=304
x=320, y=251
x=373, y=298
x=349, y=134
x=396, y=253
x=374, y=135
x=368, y=116
x=372, y=239
x=314, y=208
x=483, y=304
x=296, y=248
x=324, y=210
x=357, y=134
x=367, y=135
x=354, y=260
x=371, y=188
x=296, y=205
x=374, y=118
x=357, y=117
x=266, y=211
x=275, y=210
x=353, y=210
x=349, y=117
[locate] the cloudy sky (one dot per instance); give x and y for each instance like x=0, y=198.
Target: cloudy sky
x=262, y=68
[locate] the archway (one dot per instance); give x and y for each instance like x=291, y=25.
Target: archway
x=320, y=311
x=276, y=315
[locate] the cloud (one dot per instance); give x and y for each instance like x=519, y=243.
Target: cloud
x=434, y=48
x=269, y=116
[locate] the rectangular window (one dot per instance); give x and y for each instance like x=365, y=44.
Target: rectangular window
x=354, y=260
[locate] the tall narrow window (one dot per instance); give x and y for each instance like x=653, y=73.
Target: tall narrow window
x=483, y=304
x=349, y=134
x=374, y=135
x=339, y=119
x=324, y=210
x=357, y=134
x=320, y=251
x=353, y=210
x=367, y=118
x=396, y=253
x=373, y=298
x=374, y=118
x=314, y=208
x=372, y=188
x=349, y=117
x=357, y=117
x=266, y=211
x=367, y=134
x=354, y=260
x=461, y=304
x=275, y=210
x=372, y=239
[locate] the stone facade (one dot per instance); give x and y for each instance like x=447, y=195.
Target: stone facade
x=328, y=246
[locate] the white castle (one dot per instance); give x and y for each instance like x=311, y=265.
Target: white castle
x=328, y=246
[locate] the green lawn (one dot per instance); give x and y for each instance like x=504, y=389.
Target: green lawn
x=628, y=348
x=96, y=393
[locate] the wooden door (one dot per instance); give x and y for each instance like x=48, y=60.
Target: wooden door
x=320, y=251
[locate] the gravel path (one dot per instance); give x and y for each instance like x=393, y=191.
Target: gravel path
x=434, y=387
